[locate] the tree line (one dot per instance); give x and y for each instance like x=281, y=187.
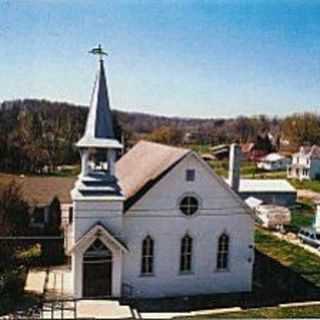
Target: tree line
x=38, y=133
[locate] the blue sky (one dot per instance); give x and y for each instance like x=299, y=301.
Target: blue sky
x=185, y=58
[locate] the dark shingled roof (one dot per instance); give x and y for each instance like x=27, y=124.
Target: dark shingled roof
x=40, y=189
x=99, y=122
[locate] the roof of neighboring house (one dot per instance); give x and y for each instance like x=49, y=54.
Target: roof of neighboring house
x=219, y=147
x=265, y=185
x=207, y=157
x=271, y=157
x=253, y=202
x=41, y=189
x=140, y=168
x=247, y=147
x=313, y=151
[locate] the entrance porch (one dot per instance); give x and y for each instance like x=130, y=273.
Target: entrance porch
x=97, y=265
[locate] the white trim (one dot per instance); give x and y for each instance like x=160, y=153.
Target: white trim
x=91, y=235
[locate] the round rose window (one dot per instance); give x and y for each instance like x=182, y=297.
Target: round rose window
x=189, y=205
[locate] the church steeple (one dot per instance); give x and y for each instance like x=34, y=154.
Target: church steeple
x=98, y=146
x=99, y=129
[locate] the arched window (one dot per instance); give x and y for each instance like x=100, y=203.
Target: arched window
x=186, y=254
x=223, y=252
x=147, y=256
x=97, y=251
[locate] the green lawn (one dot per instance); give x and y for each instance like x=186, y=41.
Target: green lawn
x=248, y=170
x=267, y=313
x=297, y=259
x=313, y=185
x=221, y=168
x=302, y=214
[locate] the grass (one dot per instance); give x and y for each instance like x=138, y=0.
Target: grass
x=266, y=313
x=313, y=185
x=199, y=148
x=302, y=214
x=296, y=258
x=248, y=170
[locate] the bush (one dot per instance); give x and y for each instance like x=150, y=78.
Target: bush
x=12, y=281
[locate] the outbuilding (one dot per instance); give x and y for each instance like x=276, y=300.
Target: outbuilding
x=274, y=162
x=270, y=191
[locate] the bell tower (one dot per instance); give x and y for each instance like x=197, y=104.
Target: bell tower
x=97, y=197
x=97, y=185
x=98, y=146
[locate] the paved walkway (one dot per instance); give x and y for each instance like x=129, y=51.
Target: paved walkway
x=92, y=309
x=56, y=284
x=35, y=282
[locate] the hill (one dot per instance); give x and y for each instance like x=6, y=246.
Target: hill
x=38, y=133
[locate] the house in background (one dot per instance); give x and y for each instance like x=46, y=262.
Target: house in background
x=273, y=162
x=269, y=191
x=221, y=151
x=252, y=151
x=305, y=164
x=48, y=198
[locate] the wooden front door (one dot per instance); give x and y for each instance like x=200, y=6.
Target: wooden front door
x=97, y=271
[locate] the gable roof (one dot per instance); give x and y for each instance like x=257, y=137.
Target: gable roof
x=137, y=171
x=41, y=189
x=99, y=231
x=271, y=157
x=140, y=168
x=313, y=151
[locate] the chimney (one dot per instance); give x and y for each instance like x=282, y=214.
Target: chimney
x=234, y=166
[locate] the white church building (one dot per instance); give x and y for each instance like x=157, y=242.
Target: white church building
x=156, y=223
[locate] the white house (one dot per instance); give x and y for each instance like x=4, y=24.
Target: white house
x=305, y=164
x=273, y=162
x=157, y=223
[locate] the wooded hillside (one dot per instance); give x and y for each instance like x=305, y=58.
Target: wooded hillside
x=38, y=133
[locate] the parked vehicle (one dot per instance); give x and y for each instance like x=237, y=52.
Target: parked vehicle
x=310, y=236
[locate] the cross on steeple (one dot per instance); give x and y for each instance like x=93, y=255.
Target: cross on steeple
x=98, y=51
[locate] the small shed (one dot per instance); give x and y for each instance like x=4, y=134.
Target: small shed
x=253, y=202
x=272, y=216
x=220, y=151
x=208, y=157
x=273, y=162
x=270, y=191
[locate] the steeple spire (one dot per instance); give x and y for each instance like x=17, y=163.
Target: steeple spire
x=98, y=146
x=99, y=131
